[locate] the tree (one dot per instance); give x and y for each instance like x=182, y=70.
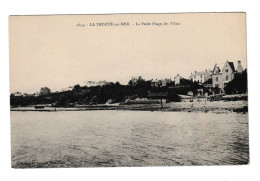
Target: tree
x=209, y=81
x=193, y=86
x=142, y=83
x=139, y=82
x=172, y=96
x=170, y=84
x=76, y=87
x=238, y=84
x=117, y=84
x=185, y=82
x=130, y=83
x=45, y=91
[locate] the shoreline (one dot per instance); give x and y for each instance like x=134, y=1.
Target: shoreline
x=214, y=107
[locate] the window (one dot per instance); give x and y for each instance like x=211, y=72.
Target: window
x=216, y=79
x=226, y=77
x=226, y=70
x=200, y=76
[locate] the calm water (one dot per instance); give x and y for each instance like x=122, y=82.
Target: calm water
x=127, y=138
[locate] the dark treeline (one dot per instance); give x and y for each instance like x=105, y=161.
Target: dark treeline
x=238, y=85
x=109, y=93
x=117, y=93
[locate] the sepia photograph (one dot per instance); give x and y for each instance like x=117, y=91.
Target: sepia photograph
x=128, y=90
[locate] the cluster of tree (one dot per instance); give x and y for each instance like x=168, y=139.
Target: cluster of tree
x=112, y=92
x=172, y=96
x=187, y=85
x=238, y=85
x=30, y=100
x=140, y=83
x=115, y=92
x=209, y=81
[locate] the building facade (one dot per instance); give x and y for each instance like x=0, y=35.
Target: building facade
x=160, y=82
x=201, y=77
x=165, y=81
x=94, y=83
x=217, y=78
x=17, y=94
x=177, y=79
x=156, y=83
x=221, y=78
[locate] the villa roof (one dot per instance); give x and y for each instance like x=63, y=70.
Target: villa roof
x=202, y=73
x=177, y=76
x=231, y=64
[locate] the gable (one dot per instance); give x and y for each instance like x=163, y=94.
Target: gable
x=231, y=66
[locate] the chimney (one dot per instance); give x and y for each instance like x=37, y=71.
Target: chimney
x=239, y=67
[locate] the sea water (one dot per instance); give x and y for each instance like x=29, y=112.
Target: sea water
x=127, y=138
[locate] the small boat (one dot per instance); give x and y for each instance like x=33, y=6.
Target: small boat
x=39, y=107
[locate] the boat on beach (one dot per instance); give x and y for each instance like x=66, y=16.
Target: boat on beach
x=39, y=107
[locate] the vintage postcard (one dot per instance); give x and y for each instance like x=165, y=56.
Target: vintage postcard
x=128, y=90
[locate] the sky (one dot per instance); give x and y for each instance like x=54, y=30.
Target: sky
x=52, y=51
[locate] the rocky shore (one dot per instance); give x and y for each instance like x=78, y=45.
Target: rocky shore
x=195, y=106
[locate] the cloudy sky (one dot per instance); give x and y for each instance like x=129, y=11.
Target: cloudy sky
x=53, y=51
